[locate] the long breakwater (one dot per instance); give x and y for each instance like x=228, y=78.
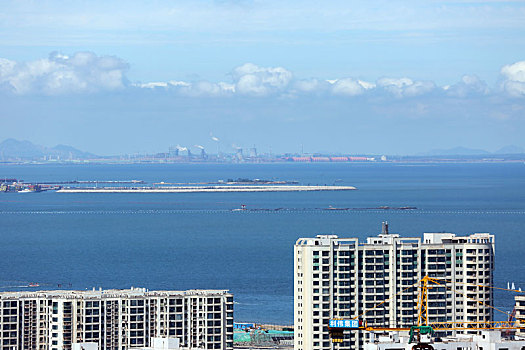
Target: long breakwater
x=200, y=189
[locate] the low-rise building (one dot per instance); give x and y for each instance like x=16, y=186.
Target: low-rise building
x=115, y=319
x=486, y=340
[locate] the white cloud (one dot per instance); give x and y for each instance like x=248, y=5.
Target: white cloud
x=206, y=88
x=162, y=84
x=311, y=85
x=227, y=87
x=248, y=79
x=405, y=87
x=350, y=87
x=366, y=85
x=6, y=67
x=200, y=88
x=61, y=74
x=419, y=88
x=392, y=82
x=152, y=85
x=251, y=79
x=470, y=85
x=514, y=75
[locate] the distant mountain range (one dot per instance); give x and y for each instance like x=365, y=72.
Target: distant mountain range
x=463, y=151
x=24, y=150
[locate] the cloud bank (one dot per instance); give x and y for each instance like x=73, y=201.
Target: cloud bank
x=86, y=72
x=83, y=72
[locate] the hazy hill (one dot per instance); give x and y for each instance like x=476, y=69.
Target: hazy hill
x=12, y=149
x=66, y=151
x=511, y=149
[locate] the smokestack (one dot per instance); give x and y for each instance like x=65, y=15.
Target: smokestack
x=174, y=152
x=203, y=153
x=216, y=139
x=384, y=229
x=182, y=149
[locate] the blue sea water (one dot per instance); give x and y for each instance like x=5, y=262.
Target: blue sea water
x=185, y=241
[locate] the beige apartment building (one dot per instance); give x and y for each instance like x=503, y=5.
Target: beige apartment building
x=346, y=278
x=115, y=319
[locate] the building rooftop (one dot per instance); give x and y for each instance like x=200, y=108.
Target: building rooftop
x=390, y=238
x=108, y=293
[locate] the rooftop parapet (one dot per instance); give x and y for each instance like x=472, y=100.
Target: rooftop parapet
x=386, y=238
x=108, y=293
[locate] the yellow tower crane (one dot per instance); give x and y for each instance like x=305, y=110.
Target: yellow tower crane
x=424, y=327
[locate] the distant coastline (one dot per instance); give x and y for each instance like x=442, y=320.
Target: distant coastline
x=24, y=152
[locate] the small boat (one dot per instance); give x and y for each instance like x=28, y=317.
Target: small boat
x=334, y=208
x=33, y=284
x=243, y=208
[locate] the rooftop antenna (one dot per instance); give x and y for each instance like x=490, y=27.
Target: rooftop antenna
x=384, y=229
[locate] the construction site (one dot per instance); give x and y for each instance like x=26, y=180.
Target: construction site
x=253, y=335
x=426, y=335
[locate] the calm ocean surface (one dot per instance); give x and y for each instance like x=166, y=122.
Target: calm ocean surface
x=185, y=241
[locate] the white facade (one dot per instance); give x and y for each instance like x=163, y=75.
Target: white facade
x=85, y=346
x=343, y=277
x=164, y=344
x=115, y=319
x=520, y=313
x=486, y=340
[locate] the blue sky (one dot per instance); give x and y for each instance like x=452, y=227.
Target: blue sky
x=394, y=77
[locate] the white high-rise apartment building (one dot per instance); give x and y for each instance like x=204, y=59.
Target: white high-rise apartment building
x=345, y=278
x=115, y=319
